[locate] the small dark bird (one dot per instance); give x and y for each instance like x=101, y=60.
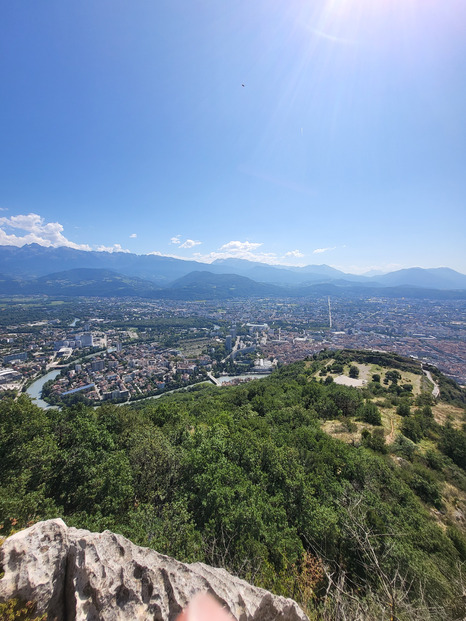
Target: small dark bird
x=242, y=85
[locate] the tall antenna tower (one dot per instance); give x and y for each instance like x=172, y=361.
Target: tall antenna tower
x=329, y=314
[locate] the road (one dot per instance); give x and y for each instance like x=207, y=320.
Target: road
x=213, y=379
x=234, y=349
x=436, y=389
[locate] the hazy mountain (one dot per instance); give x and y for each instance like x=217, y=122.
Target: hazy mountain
x=435, y=278
x=94, y=282
x=81, y=282
x=10, y=286
x=364, y=291
x=200, y=285
x=281, y=274
x=34, y=261
x=205, y=285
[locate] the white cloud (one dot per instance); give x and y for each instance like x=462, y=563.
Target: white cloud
x=157, y=253
x=238, y=250
x=320, y=250
x=237, y=247
x=249, y=251
x=37, y=232
x=190, y=243
x=133, y=236
x=114, y=248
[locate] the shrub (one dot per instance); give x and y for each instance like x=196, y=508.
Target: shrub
x=369, y=413
x=403, y=409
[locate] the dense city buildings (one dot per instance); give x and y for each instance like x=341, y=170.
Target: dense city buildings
x=129, y=349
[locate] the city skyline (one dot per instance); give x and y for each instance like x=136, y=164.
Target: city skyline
x=289, y=135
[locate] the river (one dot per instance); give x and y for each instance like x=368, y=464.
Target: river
x=35, y=389
x=223, y=379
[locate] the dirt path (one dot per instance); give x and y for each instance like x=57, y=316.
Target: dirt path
x=390, y=436
x=436, y=389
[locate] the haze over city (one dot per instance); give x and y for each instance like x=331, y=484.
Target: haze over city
x=297, y=133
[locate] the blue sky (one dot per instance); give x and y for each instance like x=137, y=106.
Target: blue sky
x=126, y=125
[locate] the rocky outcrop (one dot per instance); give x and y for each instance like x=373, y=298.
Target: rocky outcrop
x=74, y=574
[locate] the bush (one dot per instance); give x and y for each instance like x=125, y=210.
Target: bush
x=411, y=429
x=403, y=409
x=369, y=413
x=458, y=540
x=403, y=447
x=453, y=443
x=374, y=440
x=424, y=483
x=433, y=460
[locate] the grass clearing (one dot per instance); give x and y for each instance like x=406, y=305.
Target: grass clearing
x=454, y=501
x=192, y=348
x=366, y=371
x=446, y=411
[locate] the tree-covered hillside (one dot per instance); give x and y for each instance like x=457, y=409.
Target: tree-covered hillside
x=246, y=478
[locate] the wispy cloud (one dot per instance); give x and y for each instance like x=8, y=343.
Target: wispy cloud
x=190, y=243
x=321, y=250
x=133, y=236
x=114, y=248
x=294, y=253
x=250, y=251
x=238, y=250
x=237, y=247
x=157, y=253
x=35, y=231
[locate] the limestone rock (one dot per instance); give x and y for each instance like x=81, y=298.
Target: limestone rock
x=33, y=562
x=77, y=575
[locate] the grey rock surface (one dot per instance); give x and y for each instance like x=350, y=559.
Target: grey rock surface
x=33, y=562
x=77, y=575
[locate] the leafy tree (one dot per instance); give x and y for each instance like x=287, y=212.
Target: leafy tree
x=411, y=429
x=369, y=413
x=245, y=478
x=392, y=376
x=374, y=440
x=354, y=371
x=404, y=447
x=425, y=484
x=403, y=409
x=452, y=442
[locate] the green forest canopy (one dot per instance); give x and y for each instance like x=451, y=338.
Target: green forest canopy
x=245, y=478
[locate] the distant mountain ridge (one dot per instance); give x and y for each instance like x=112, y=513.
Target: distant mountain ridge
x=35, y=268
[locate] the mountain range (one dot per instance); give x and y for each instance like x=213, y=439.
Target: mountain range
x=66, y=271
